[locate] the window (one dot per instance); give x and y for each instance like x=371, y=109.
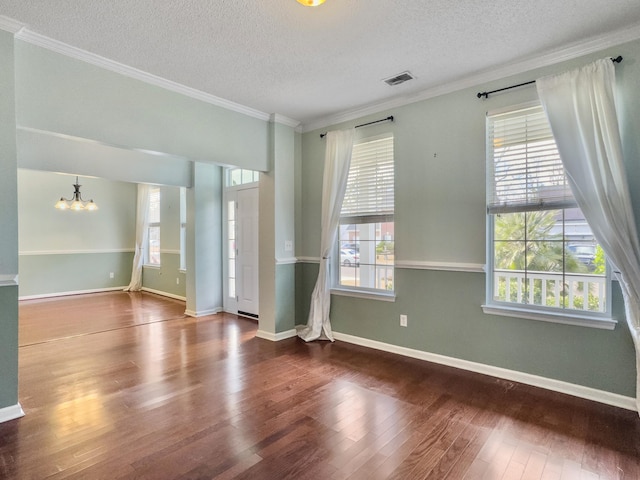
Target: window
x=239, y=176
x=153, y=252
x=366, y=231
x=231, y=248
x=183, y=228
x=542, y=253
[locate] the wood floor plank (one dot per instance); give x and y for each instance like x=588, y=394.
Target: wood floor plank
x=124, y=386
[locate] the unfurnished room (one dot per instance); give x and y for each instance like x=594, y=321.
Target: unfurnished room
x=320, y=239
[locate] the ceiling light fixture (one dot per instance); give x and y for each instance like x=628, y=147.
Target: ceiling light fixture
x=311, y=3
x=76, y=202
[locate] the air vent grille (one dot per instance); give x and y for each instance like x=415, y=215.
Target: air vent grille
x=398, y=79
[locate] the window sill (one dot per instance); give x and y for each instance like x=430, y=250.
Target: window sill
x=603, y=323
x=371, y=295
x=157, y=267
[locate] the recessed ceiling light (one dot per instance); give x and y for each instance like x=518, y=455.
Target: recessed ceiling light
x=311, y=3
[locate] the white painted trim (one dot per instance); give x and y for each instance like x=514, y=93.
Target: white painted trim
x=289, y=122
x=276, y=337
x=10, y=25
x=286, y=261
x=443, y=266
x=70, y=51
x=11, y=413
x=73, y=292
x=9, y=280
x=164, y=294
x=171, y=252
x=309, y=259
x=569, y=52
x=368, y=294
x=75, y=252
x=203, y=313
x=580, y=391
x=602, y=323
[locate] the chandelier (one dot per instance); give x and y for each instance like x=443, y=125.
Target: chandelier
x=76, y=202
x=311, y=3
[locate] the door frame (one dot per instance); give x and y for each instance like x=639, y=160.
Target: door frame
x=230, y=304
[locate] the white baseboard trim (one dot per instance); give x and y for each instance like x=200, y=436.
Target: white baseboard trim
x=11, y=413
x=203, y=313
x=74, y=292
x=276, y=337
x=164, y=294
x=580, y=391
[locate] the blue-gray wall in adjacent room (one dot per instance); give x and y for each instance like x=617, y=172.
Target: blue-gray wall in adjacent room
x=67, y=251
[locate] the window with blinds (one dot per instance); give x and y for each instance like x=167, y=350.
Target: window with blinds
x=526, y=172
x=366, y=234
x=541, y=252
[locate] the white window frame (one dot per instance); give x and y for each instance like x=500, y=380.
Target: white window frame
x=354, y=216
x=150, y=225
x=569, y=316
x=183, y=229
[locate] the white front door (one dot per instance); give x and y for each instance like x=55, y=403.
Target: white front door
x=247, y=251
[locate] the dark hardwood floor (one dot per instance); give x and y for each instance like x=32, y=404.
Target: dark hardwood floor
x=123, y=386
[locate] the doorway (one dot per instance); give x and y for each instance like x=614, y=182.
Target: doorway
x=241, y=293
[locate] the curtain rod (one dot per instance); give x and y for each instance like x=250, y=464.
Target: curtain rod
x=388, y=119
x=618, y=59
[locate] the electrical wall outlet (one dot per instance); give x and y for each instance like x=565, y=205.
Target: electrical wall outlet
x=288, y=245
x=111, y=275
x=403, y=320
x=177, y=280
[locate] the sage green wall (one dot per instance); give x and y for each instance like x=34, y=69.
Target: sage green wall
x=162, y=279
x=440, y=217
x=277, y=197
x=9, y=228
x=167, y=277
x=65, y=251
x=94, y=103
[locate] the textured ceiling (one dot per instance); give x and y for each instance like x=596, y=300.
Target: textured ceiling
x=278, y=56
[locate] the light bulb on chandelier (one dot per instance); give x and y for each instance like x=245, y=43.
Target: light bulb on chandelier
x=76, y=202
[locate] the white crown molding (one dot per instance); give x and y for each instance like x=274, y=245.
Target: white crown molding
x=289, y=122
x=10, y=25
x=11, y=413
x=442, y=266
x=569, y=52
x=276, y=337
x=580, y=391
x=73, y=52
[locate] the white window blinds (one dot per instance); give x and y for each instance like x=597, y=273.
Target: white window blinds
x=369, y=191
x=524, y=168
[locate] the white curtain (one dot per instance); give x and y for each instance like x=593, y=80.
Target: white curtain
x=339, y=145
x=581, y=109
x=142, y=235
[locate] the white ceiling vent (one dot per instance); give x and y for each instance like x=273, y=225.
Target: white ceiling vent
x=398, y=79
